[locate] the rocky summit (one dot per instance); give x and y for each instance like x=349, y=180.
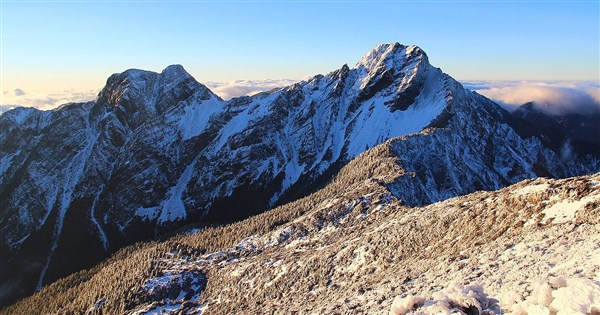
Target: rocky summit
x=158, y=151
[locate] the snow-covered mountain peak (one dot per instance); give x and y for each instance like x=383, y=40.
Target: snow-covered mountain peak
x=393, y=55
x=120, y=85
x=19, y=114
x=175, y=72
x=378, y=54
x=146, y=93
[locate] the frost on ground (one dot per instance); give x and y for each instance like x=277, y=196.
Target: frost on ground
x=174, y=290
x=553, y=269
x=364, y=253
x=557, y=295
x=530, y=248
x=455, y=299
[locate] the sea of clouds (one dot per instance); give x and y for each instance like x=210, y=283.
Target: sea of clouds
x=44, y=101
x=231, y=89
x=226, y=90
x=552, y=97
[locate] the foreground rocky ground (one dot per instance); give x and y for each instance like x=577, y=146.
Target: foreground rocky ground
x=530, y=248
x=353, y=255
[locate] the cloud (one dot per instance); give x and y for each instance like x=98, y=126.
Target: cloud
x=43, y=101
x=552, y=97
x=231, y=89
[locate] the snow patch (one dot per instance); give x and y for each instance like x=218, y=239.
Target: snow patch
x=71, y=175
x=195, y=119
x=531, y=189
x=6, y=161
x=173, y=208
x=557, y=296
x=103, y=237
x=146, y=213
x=566, y=210
x=470, y=299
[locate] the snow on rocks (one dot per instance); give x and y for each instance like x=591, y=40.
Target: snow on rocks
x=566, y=210
x=532, y=189
x=455, y=299
x=557, y=295
x=174, y=290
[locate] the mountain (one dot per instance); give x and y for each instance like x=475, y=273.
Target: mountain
x=354, y=248
x=581, y=130
x=157, y=151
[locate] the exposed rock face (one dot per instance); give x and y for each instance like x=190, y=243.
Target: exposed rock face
x=155, y=151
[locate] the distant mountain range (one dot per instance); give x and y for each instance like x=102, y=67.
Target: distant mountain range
x=157, y=151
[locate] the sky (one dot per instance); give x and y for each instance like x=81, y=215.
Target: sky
x=55, y=51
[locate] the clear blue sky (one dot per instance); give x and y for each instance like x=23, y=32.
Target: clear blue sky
x=78, y=44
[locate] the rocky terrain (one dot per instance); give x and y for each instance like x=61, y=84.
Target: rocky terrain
x=354, y=248
x=157, y=151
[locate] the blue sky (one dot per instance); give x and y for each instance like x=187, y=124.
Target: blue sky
x=76, y=45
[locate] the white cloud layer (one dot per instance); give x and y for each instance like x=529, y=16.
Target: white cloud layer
x=552, y=97
x=20, y=97
x=226, y=90
x=231, y=89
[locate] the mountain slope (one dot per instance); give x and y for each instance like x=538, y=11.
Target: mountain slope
x=580, y=129
x=156, y=151
x=351, y=248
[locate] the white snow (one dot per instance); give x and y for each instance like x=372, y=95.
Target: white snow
x=20, y=114
x=556, y=296
x=532, y=189
x=71, y=176
x=577, y=296
x=452, y=300
x=160, y=310
x=172, y=208
x=195, y=119
x=103, y=237
x=21, y=240
x=6, y=161
x=376, y=125
x=402, y=306
x=146, y=213
x=566, y=210
x=254, y=111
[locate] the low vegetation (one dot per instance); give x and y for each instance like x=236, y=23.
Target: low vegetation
x=348, y=248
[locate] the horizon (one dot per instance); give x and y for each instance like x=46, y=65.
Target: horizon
x=509, y=94
x=45, y=59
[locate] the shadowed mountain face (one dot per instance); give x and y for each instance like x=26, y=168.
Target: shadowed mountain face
x=159, y=150
x=580, y=130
